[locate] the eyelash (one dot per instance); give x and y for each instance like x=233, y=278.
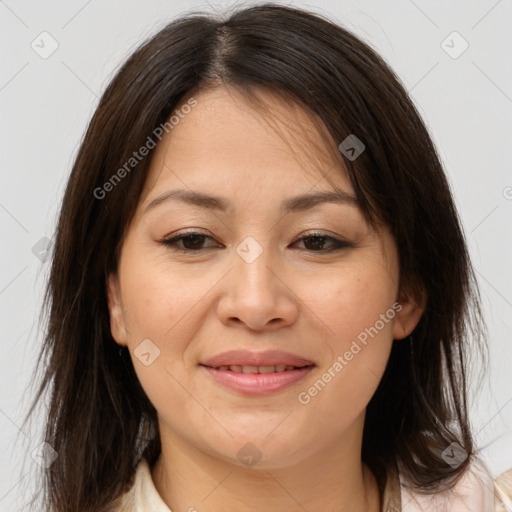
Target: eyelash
x=172, y=243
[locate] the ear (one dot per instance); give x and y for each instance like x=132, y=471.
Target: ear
x=408, y=317
x=117, y=323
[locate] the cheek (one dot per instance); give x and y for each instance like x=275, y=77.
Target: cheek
x=351, y=299
x=355, y=358
x=161, y=305
x=155, y=316
x=157, y=311
x=157, y=300
x=360, y=308
x=356, y=305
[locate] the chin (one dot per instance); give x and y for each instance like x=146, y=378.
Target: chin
x=260, y=452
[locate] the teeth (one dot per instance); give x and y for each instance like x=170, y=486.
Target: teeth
x=257, y=369
x=249, y=369
x=266, y=369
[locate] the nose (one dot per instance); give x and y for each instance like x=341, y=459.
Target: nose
x=257, y=294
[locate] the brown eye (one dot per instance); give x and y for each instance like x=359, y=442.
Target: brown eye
x=192, y=242
x=317, y=243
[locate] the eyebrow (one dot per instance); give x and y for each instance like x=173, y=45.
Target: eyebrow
x=292, y=204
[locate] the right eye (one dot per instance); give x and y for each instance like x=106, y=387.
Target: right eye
x=190, y=242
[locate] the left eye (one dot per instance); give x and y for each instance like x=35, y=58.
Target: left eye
x=192, y=242
x=317, y=241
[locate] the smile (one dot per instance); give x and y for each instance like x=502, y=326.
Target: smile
x=257, y=380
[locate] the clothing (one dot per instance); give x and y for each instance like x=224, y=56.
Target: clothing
x=474, y=492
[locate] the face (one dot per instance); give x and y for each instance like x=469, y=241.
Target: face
x=254, y=270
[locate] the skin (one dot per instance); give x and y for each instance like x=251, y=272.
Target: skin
x=293, y=297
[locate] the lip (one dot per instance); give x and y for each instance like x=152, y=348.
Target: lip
x=258, y=384
x=248, y=358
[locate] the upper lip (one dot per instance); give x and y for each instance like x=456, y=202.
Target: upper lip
x=248, y=358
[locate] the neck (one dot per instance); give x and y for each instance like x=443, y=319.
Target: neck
x=333, y=478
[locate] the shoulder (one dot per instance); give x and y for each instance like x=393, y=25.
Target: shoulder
x=503, y=489
x=473, y=492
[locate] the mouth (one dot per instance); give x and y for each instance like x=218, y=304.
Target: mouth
x=257, y=380
x=249, y=369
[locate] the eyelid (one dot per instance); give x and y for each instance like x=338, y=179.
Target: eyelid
x=319, y=233
x=171, y=241
x=339, y=243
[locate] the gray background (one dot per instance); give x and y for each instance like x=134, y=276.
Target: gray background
x=46, y=103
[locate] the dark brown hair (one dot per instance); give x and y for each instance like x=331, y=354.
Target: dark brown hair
x=99, y=420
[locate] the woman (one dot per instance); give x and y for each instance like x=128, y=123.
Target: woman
x=260, y=293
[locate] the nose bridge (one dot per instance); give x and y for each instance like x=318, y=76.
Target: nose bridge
x=252, y=263
x=255, y=295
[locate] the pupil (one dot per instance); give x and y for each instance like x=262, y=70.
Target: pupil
x=196, y=239
x=318, y=241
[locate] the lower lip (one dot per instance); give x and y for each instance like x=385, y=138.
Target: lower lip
x=258, y=383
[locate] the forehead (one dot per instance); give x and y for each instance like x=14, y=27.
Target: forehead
x=230, y=141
